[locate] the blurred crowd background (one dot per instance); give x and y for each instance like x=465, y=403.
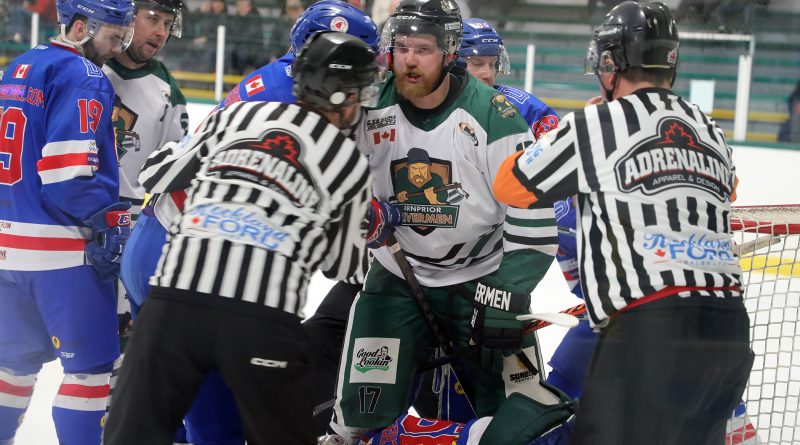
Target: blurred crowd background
x=258, y=32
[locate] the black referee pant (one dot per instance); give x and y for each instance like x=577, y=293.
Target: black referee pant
x=261, y=353
x=667, y=372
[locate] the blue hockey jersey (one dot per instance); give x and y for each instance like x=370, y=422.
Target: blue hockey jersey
x=58, y=165
x=270, y=83
x=537, y=114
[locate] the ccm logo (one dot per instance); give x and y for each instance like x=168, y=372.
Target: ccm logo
x=268, y=363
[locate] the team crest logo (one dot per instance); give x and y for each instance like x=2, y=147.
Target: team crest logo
x=340, y=24
x=424, y=189
x=273, y=162
x=469, y=131
x=505, y=108
x=675, y=157
x=124, y=120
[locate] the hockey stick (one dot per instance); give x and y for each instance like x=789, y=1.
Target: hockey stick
x=756, y=244
x=557, y=318
x=430, y=318
x=576, y=312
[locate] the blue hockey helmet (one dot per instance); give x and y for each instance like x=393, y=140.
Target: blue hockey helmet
x=333, y=15
x=98, y=12
x=482, y=39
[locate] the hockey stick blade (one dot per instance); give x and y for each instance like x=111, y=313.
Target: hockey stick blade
x=557, y=318
x=576, y=311
x=756, y=244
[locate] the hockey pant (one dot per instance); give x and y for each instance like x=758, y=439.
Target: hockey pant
x=388, y=340
x=67, y=314
x=213, y=418
x=669, y=372
x=261, y=353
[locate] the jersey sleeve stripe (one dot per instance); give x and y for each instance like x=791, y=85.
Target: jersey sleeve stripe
x=67, y=147
x=66, y=160
x=65, y=173
x=41, y=243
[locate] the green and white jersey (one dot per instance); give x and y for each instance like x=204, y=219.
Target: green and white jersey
x=439, y=165
x=149, y=111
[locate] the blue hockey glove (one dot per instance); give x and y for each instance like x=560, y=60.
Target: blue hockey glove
x=380, y=221
x=111, y=228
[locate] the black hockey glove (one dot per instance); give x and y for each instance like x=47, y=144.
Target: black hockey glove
x=494, y=324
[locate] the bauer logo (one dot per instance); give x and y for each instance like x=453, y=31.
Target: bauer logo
x=374, y=360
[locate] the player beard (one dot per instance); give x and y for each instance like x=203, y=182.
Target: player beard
x=90, y=52
x=423, y=86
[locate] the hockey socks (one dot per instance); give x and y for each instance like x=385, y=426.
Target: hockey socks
x=15, y=395
x=79, y=408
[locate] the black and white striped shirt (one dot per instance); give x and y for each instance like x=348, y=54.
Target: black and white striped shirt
x=654, y=176
x=276, y=193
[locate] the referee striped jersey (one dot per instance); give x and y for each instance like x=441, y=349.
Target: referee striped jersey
x=276, y=193
x=654, y=178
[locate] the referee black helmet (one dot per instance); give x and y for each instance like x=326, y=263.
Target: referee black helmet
x=634, y=35
x=334, y=69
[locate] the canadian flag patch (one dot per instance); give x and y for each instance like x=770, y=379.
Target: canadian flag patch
x=254, y=85
x=22, y=71
x=378, y=136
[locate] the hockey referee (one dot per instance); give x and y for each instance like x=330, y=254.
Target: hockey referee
x=277, y=191
x=654, y=181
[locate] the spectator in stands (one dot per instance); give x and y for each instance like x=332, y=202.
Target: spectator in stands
x=381, y=10
x=607, y=5
x=790, y=130
x=18, y=22
x=48, y=18
x=203, y=33
x=247, y=38
x=278, y=42
x=734, y=15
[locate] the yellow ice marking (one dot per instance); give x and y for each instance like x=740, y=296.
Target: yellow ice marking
x=771, y=265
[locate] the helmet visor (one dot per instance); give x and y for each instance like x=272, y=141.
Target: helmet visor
x=115, y=36
x=409, y=25
x=150, y=8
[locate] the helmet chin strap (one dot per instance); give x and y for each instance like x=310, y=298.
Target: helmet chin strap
x=74, y=44
x=444, y=73
x=609, y=94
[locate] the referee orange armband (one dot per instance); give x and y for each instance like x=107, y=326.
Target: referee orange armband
x=507, y=187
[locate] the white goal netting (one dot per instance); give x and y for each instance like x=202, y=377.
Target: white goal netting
x=768, y=238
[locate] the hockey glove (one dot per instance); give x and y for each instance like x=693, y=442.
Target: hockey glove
x=111, y=228
x=380, y=221
x=494, y=325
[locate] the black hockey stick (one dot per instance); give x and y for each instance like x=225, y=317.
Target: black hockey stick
x=430, y=318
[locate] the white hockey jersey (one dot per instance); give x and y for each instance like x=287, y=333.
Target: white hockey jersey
x=439, y=167
x=149, y=111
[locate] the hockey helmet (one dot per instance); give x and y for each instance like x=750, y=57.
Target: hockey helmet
x=335, y=69
x=440, y=18
x=333, y=15
x=481, y=39
x=174, y=7
x=634, y=35
x=98, y=13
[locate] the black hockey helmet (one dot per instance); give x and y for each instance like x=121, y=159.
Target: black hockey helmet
x=173, y=7
x=634, y=35
x=334, y=69
x=441, y=18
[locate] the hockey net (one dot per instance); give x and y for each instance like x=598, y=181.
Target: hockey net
x=768, y=239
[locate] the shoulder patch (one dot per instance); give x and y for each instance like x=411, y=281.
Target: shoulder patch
x=503, y=107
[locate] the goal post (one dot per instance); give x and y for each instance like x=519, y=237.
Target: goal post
x=768, y=240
